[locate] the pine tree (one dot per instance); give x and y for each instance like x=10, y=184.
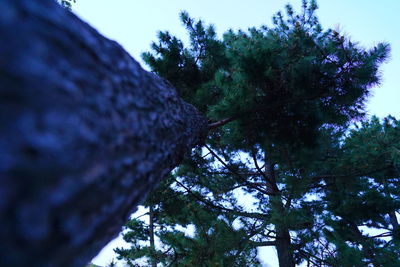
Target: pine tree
x=214, y=242
x=362, y=194
x=280, y=100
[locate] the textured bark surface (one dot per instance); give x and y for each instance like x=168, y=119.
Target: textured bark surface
x=85, y=134
x=283, y=248
x=283, y=244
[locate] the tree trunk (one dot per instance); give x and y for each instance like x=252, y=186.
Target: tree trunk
x=153, y=258
x=393, y=220
x=283, y=240
x=85, y=134
x=283, y=247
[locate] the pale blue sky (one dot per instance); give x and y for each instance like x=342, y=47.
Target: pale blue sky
x=134, y=24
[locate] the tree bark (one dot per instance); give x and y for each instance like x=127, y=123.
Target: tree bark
x=153, y=258
x=393, y=220
x=283, y=247
x=283, y=240
x=85, y=134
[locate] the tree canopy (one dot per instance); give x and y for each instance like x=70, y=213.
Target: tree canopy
x=288, y=133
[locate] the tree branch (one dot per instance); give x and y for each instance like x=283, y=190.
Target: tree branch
x=262, y=243
x=215, y=125
x=209, y=203
x=237, y=174
x=267, y=179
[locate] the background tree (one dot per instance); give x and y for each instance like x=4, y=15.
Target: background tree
x=214, y=241
x=363, y=194
x=349, y=218
x=282, y=98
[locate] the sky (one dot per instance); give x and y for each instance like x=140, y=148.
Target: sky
x=135, y=23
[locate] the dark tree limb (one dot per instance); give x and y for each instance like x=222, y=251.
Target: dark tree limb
x=221, y=123
x=262, y=243
x=209, y=203
x=238, y=175
x=85, y=134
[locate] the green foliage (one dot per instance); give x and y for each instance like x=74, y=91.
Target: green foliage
x=293, y=92
x=293, y=72
x=365, y=193
x=214, y=242
x=66, y=3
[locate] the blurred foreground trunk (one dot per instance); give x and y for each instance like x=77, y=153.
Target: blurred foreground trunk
x=85, y=134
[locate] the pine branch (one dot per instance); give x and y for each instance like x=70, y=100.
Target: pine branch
x=267, y=179
x=262, y=243
x=215, y=125
x=317, y=178
x=254, y=215
x=243, y=179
